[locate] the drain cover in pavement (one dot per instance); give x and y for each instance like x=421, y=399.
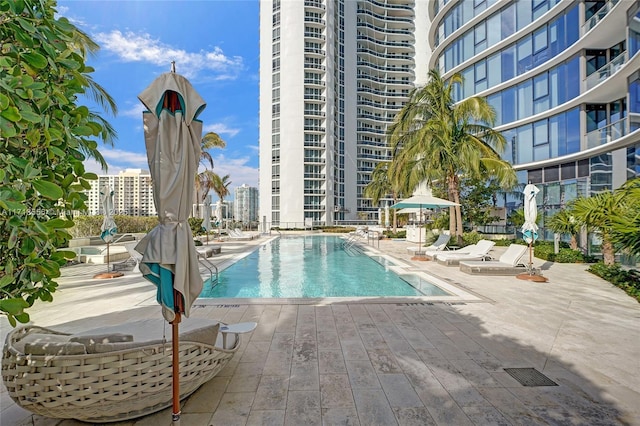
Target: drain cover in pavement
x=530, y=377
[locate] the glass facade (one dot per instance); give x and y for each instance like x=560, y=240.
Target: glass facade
x=572, y=125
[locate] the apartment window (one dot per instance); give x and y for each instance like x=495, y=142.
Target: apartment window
x=541, y=93
x=540, y=46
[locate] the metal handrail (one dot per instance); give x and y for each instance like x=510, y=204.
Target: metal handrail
x=118, y=240
x=201, y=260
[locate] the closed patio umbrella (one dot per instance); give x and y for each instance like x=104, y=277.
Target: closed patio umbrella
x=530, y=228
x=169, y=258
x=109, y=229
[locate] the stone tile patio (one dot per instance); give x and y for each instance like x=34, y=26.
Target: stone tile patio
x=394, y=361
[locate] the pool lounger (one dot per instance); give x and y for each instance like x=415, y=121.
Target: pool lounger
x=507, y=264
x=439, y=245
x=480, y=251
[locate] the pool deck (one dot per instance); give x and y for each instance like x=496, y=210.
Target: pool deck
x=392, y=361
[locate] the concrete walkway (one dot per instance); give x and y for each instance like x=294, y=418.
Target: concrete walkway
x=390, y=361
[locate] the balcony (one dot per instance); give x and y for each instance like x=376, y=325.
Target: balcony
x=593, y=21
x=607, y=134
x=606, y=71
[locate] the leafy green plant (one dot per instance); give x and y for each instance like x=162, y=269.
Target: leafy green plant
x=195, y=223
x=471, y=237
x=42, y=75
x=627, y=280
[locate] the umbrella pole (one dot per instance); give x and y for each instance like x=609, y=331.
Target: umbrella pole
x=175, y=353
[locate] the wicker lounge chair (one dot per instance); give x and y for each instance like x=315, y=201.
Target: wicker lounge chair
x=112, y=373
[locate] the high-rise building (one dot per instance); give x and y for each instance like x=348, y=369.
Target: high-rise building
x=132, y=193
x=333, y=74
x=563, y=78
x=246, y=204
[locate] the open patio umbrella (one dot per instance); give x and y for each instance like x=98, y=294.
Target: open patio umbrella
x=169, y=258
x=109, y=228
x=530, y=228
x=422, y=201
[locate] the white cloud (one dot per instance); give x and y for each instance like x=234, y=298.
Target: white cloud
x=132, y=47
x=237, y=169
x=221, y=129
x=135, y=111
x=117, y=160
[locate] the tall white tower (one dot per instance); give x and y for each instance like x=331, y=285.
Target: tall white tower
x=333, y=74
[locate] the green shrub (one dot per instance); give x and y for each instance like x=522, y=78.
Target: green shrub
x=195, y=224
x=627, y=280
x=429, y=237
x=471, y=237
x=503, y=242
x=401, y=233
x=337, y=229
x=566, y=255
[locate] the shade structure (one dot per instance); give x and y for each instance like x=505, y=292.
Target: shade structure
x=109, y=228
x=169, y=258
x=422, y=201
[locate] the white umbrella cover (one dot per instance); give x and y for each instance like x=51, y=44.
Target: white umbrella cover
x=529, y=228
x=109, y=228
x=169, y=258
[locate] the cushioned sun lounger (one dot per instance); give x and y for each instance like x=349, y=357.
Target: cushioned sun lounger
x=439, y=245
x=479, y=251
x=509, y=263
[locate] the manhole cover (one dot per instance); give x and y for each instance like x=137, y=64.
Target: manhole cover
x=530, y=377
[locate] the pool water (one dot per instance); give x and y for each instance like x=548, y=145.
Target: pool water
x=314, y=266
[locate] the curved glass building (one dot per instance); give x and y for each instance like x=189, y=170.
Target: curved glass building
x=564, y=79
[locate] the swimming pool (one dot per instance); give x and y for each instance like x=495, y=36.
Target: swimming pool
x=314, y=266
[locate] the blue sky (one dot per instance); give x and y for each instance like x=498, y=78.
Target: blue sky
x=215, y=45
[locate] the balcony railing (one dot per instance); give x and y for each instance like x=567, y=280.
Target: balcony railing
x=593, y=21
x=606, y=71
x=607, y=134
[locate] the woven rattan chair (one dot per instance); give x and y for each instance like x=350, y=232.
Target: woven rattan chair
x=107, y=375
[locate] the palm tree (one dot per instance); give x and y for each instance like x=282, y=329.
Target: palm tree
x=435, y=140
x=625, y=226
x=206, y=179
x=563, y=222
x=597, y=213
x=380, y=186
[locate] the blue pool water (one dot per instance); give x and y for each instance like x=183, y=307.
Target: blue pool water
x=314, y=266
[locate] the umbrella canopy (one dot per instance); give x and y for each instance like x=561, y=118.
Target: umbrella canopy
x=423, y=201
x=218, y=213
x=172, y=138
x=529, y=228
x=109, y=228
x=169, y=258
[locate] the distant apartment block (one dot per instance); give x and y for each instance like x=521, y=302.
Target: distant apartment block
x=246, y=204
x=132, y=190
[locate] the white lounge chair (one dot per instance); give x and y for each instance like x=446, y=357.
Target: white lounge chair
x=509, y=263
x=238, y=235
x=112, y=373
x=438, y=245
x=478, y=251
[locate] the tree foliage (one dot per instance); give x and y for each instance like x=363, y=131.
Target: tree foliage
x=435, y=139
x=42, y=75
